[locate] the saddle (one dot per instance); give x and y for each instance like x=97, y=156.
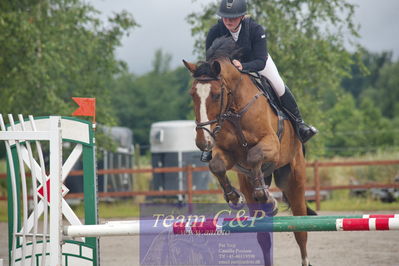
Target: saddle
x=263, y=84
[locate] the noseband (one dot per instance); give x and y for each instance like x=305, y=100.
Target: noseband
x=226, y=113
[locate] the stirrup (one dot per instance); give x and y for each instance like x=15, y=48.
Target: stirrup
x=306, y=132
x=206, y=156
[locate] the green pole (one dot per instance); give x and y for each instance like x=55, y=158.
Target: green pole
x=311, y=217
x=281, y=225
x=90, y=196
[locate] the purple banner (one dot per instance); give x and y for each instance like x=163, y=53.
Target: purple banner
x=193, y=235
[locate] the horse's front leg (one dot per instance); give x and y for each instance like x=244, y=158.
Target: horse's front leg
x=266, y=154
x=219, y=165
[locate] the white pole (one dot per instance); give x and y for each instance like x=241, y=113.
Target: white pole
x=24, y=191
x=44, y=202
x=180, y=175
x=118, y=228
x=55, y=188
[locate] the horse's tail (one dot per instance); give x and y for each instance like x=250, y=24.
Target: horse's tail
x=309, y=211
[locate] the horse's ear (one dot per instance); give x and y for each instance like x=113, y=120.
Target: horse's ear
x=216, y=68
x=190, y=66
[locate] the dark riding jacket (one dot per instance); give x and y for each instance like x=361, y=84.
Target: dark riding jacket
x=252, y=41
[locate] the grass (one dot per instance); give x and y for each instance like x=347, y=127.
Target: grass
x=119, y=209
x=341, y=201
x=3, y=211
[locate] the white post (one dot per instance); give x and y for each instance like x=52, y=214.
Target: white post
x=180, y=175
x=55, y=188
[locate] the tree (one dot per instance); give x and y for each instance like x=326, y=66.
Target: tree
x=161, y=94
x=365, y=75
x=385, y=91
x=52, y=50
x=357, y=130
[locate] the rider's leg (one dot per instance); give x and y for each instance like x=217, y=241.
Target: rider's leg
x=271, y=73
x=288, y=102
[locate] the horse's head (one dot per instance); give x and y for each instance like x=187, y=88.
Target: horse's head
x=214, y=81
x=210, y=93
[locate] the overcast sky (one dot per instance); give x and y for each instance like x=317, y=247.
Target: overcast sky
x=163, y=26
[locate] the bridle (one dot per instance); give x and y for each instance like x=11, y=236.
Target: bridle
x=219, y=120
x=226, y=113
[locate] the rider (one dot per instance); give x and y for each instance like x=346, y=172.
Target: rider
x=251, y=38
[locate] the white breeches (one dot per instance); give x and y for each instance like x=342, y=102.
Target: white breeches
x=271, y=73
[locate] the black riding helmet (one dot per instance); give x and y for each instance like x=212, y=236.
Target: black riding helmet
x=232, y=8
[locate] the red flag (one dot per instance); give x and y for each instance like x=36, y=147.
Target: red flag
x=87, y=106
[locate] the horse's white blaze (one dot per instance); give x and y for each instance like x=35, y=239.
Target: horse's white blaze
x=203, y=91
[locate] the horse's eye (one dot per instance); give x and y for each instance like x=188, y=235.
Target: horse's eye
x=215, y=96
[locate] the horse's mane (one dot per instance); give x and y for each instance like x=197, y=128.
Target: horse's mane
x=222, y=47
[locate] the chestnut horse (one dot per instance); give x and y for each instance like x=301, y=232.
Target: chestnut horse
x=237, y=124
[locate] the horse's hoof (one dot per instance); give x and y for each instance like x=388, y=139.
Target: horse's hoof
x=260, y=195
x=273, y=213
x=274, y=207
x=237, y=204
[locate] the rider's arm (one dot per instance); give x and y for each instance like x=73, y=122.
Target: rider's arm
x=259, y=51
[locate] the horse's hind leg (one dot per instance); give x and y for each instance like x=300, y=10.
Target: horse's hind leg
x=291, y=180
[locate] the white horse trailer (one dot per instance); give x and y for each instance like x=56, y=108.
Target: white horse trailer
x=173, y=145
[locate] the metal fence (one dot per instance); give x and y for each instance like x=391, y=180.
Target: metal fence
x=316, y=187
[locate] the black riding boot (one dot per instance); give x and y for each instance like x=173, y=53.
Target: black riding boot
x=304, y=131
x=206, y=156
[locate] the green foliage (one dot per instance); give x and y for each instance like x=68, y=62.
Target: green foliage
x=365, y=75
x=52, y=50
x=385, y=91
x=375, y=88
x=161, y=94
x=357, y=130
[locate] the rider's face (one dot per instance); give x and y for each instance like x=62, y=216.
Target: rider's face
x=232, y=23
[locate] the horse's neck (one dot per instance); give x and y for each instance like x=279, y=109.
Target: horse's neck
x=244, y=92
x=245, y=99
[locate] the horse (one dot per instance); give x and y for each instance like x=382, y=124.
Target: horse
x=238, y=125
